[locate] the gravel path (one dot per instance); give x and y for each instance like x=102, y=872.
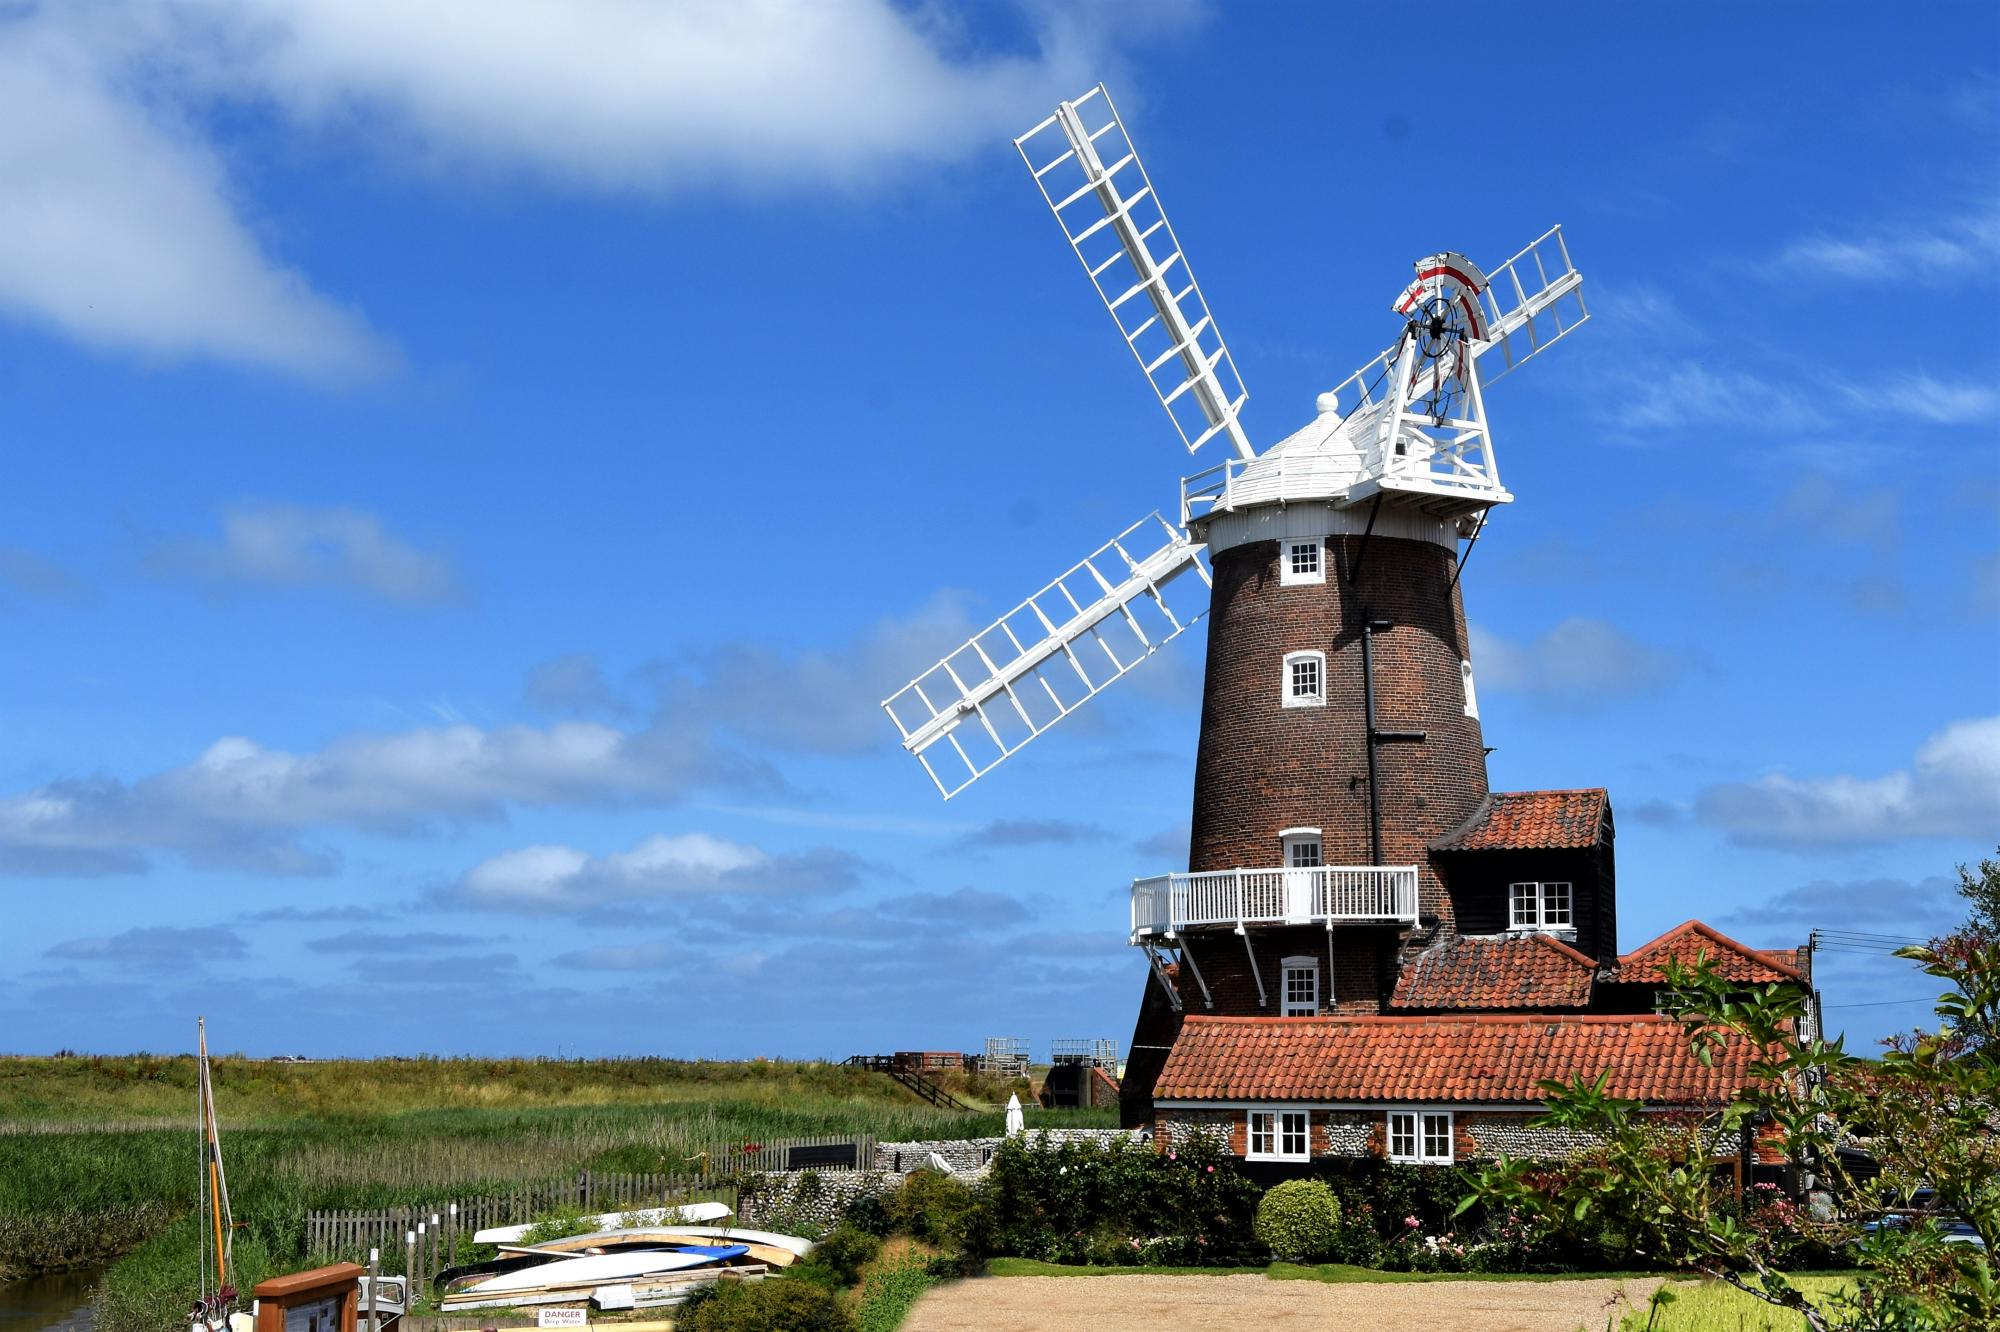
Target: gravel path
x=1232, y=1303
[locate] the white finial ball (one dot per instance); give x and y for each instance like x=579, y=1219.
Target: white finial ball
x=1328, y=402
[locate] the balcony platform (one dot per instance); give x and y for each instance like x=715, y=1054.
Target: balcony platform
x=1168, y=904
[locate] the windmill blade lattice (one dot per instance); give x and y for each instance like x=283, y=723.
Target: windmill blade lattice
x=1040, y=661
x=1094, y=183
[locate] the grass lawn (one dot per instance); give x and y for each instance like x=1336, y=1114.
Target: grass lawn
x=1711, y=1306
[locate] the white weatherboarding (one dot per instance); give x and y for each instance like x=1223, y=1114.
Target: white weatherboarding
x=1422, y=439
x=651, y=1216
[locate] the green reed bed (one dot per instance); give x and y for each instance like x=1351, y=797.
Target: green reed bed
x=365, y=1135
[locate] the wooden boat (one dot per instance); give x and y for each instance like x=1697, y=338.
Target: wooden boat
x=791, y=1244
x=656, y=1237
x=647, y=1216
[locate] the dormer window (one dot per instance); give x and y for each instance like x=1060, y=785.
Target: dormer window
x=1305, y=679
x=1540, y=906
x=1301, y=562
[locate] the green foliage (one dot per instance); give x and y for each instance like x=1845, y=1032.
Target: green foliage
x=1082, y=1202
x=780, y=1304
x=1925, y=1110
x=889, y=1294
x=560, y=1223
x=1981, y=890
x=841, y=1255
x=870, y=1213
x=931, y=1206
x=1299, y=1220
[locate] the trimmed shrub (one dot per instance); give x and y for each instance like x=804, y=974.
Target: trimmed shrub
x=1299, y=1220
x=778, y=1304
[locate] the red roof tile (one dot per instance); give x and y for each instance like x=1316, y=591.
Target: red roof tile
x=1689, y=940
x=1491, y=1057
x=1530, y=821
x=1526, y=971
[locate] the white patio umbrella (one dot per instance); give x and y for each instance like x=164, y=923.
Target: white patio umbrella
x=1016, y=1121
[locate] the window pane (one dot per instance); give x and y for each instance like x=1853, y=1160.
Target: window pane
x=1524, y=905
x=1294, y=1126
x=1305, y=678
x=1555, y=904
x=1437, y=1137
x=1305, y=557
x=1260, y=1133
x=1402, y=1134
x=1304, y=855
x=1301, y=991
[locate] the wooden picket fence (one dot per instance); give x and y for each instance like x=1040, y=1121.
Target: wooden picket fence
x=348, y=1235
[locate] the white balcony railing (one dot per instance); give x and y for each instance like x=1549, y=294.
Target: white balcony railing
x=1329, y=894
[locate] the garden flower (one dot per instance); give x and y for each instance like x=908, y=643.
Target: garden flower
x=1411, y=1222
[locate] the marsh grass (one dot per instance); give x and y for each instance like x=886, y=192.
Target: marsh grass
x=1711, y=1306
x=98, y=1156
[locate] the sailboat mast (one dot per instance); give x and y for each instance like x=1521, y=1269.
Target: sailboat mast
x=218, y=1188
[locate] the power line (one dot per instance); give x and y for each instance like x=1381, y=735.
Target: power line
x=1884, y=1003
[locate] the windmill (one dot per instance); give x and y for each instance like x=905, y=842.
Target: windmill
x=1399, y=452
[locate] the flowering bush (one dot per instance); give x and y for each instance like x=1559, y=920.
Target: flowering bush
x=1300, y=1220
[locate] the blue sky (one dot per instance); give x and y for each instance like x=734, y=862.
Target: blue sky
x=469, y=486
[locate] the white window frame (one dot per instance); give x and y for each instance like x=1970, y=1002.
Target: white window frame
x=1300, y=838
x=1287, y=576
x=1471, y=694
x=1290, y=967
x=1419, y=1125
x=1544, y=921
x=1280, y=1129
x=1290, y=700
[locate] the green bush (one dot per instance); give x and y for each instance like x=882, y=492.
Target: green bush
x=931, y=1206
x=1299, y=1220
x=868, y=1212
x=842, y=1254
x=779, y=1304
x=1081, y=1202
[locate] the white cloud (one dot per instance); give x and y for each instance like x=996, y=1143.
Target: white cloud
x=1951, y=789
x=242, y=806
x=622, y=94
x=121, y=228
x=116, y=230
x=1939, y=250
x=826, y=700
x=566, y=879
x=1958, y=402
x=289, y=545
x=1578, y=661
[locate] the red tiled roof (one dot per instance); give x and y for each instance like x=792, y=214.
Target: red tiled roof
x=1490, y=1057
x=1527, y=971
x=1691, y=939
x=1530, y=821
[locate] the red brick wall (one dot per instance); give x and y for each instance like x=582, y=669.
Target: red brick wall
x=1261, y=767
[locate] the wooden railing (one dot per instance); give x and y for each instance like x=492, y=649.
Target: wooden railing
x=1326, y=894
x=910, y=1078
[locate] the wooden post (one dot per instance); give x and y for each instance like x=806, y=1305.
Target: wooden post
x=374, y=1288
x=451, y=1235
x=436, y=1264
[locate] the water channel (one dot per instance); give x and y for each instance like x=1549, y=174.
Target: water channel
x=56, y=1302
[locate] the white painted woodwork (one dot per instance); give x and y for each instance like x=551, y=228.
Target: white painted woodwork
x=1167, y=904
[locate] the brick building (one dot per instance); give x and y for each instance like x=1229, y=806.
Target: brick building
x=1371, y=953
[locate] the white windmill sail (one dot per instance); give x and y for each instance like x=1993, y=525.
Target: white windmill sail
x=1094, y=183
x=1037, y=663
x=1532, y=301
